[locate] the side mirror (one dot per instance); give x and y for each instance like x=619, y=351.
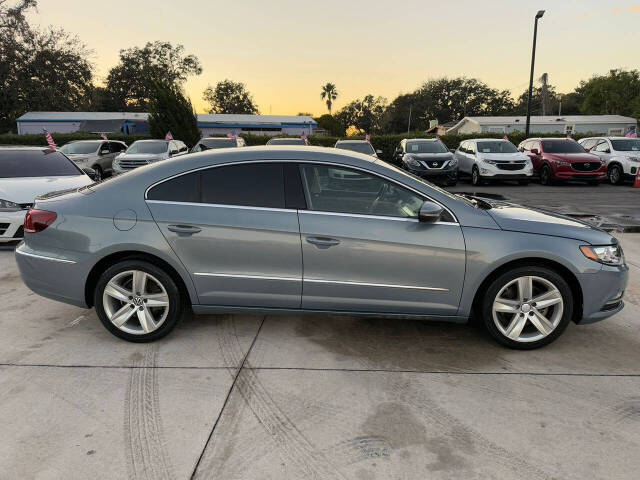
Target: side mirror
x=91, y=173
x=173, y=152
x=587, y=149
x=535, y=151
x=608, y=150
x=378, y=152
x=430, y=212
x=452, y=150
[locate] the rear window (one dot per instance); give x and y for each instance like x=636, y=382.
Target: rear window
x=207, y=143
x=364, y=147
x=562, y=146
x=35, y=163
x=286, y=141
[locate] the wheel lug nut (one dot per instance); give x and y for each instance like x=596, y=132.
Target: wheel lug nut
x=145, y=300
x=132, y=306
x=140, y=308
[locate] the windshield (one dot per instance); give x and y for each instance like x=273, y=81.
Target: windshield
x=286, y=141
x=208, y=143
x=627, y=145
x=426, y=147
x=80, y=148
x=562, y=146
x=496, y=147
x=360, y=147
x=148, y=147
x=35, y=163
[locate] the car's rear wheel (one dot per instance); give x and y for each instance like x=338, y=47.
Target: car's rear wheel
x=527, y=307
x=615, y=174
x=137, y=301
x=546, y=175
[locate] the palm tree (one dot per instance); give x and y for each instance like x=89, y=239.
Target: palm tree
x=329, y=93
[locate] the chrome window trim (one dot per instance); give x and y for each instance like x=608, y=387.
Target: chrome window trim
x=316, y=162
x=222, y=205
x=319, y=280
x=44, y=257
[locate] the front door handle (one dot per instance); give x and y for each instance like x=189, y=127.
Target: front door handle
x=323, y=242
x=184, y=229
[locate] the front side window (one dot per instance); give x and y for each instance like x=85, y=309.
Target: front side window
x=150, y=147
x=342, y=190
x=15, y=163
x=601, y=147
x=117, y=147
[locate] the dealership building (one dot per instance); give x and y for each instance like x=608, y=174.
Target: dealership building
x=136, y=123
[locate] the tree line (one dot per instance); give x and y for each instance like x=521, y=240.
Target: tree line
x=49, y=70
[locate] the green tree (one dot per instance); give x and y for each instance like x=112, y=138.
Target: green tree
x=229, y=97
x=331, y=125
x=364, y=114
x=329, y=93
x=39, y=69
x=614, y=93
x=132, y=79
x=171, y=111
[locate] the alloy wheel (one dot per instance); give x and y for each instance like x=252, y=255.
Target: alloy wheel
x=135, y=302
x=614, y=175
x=527, y=309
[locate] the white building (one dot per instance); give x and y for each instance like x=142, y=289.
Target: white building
x=129, y=123
x=567, y=124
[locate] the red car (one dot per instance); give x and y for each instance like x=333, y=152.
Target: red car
x=563, y=159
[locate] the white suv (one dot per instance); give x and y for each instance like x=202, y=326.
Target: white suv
x=621, y=155
x=493, y=159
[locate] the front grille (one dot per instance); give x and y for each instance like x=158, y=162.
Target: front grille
x=510, y=166
x=3, y=228
x=434, y=163
x=129, y=164
x=19, y=233
x=586, y=166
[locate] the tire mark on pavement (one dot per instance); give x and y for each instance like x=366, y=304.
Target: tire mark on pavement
x=146, y=451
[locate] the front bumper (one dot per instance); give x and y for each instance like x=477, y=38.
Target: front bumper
x=445, y=174
x=602, y=293
x=11, y=226
x=566, y=173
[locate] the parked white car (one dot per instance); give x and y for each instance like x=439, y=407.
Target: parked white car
x=25, y=173
x=143, y=152
x=493, y=159
x=620, y=154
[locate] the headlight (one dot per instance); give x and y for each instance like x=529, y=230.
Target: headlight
x=605, y=254
x=633, y=159
x=490, y=162
x=453, y=162
x=413, y=162
x=7, y=206
x=560, y=162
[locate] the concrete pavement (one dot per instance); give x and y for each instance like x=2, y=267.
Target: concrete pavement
x=316, y=397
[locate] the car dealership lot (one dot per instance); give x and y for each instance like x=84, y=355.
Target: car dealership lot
x=317, y=396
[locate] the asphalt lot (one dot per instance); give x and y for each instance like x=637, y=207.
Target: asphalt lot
x=327, y=397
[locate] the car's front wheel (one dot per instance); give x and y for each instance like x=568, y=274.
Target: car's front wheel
x=546, y=175
x=615, y=174
x=137, y=301
x=527, y=307
x=476, y=178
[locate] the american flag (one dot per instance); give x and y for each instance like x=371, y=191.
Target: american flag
x=633, y=133
x=303, y=136
x=168, y=136
x=437, y=137
x=367, y=137
x=229, y=135
x=505, y=137
x=49, y=138
x=103, y=136
x=569, y=136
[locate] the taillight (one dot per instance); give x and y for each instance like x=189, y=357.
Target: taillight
x=37, y=220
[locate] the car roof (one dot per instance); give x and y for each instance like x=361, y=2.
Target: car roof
x=23, y=147
x=217, y=138
x=489, y=139
x=421, y=139
x=353, y=141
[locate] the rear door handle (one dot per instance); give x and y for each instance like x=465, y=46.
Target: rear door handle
x=184, y=229
x=323, y=242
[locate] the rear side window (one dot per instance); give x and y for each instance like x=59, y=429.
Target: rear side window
x=185, y=188
x=253, y=185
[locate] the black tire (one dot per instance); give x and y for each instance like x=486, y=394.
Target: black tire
x=99, y=174
x=498, y=283
x=476, y=178
x=615, y=174
x=546, y=176
x=175, y=302
x=523, y=182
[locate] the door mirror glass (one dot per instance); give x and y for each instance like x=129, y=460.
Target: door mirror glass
x=379, y=152
x=173, y=152
x=430, y=212
x=535, y=151
x=91, y=173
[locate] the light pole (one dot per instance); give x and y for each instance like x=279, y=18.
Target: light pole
x=533, y=61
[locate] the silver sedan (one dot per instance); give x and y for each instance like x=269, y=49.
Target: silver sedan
x=290, y=229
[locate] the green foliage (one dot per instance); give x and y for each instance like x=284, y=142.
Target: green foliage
x=130, y=82
x=364, y=114
x=329, y=93
x=171, y=111
x=39, y=69
x=614, y=93
x=229, y=97
x=331, y=125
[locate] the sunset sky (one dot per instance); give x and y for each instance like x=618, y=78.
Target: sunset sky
x=284, y=50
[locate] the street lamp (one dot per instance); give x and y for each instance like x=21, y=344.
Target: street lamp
x=533, y=61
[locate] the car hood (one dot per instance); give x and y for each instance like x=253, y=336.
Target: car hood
x=431, y=156
x=25, y=189
x=149, y=157
x=504, y=157
x=573, y=157
x=517, y=218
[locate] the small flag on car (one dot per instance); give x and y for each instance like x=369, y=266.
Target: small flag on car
x=229, y=135
x=367, y=137
x=168, y=136
x=633, y=133
x=103, y=136
x=505, y=137
x=437, y=137
x=49, y=138
x=303, y=136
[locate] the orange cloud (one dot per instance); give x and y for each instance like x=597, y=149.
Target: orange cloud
x=635, y=8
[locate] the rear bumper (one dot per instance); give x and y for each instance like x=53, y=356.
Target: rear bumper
x=11, y=226
x=602, y=293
